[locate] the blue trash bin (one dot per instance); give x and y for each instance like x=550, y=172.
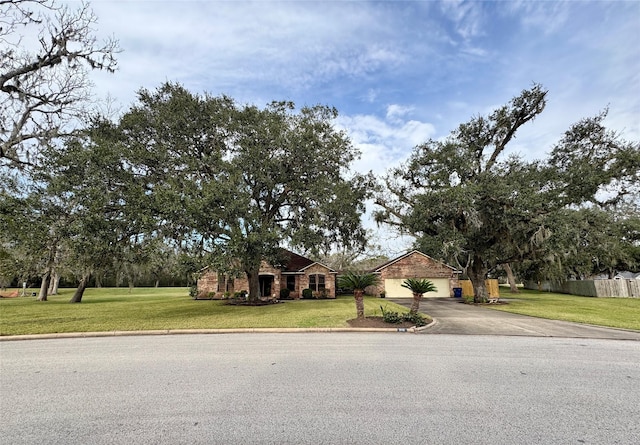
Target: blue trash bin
x=457, y=292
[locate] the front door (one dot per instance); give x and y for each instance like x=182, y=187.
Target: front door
x=266, y=283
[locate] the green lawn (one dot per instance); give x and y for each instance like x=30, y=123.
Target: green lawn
x=612, y=312
x=115, y=309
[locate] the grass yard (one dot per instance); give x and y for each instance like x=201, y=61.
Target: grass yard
x=115, y=309
x=612, y=312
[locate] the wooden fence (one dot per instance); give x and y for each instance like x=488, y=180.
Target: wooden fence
x=591, y=288
x=492, y=288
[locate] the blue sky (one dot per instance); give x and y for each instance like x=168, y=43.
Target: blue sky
x=399, y=72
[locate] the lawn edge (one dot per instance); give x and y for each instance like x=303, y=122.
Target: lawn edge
x=204, y=331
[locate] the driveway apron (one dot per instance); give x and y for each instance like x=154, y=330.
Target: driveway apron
x=452, y=316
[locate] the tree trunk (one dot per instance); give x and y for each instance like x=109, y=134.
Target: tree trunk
x=53, y=286
x=511, y=278
x=77, y=295
x=130, y=282
x=358, y=294
x=46, y=279
x=157, y=283
x=415, y=306
x=477, y=274
x=44, y=287
x=254, y=283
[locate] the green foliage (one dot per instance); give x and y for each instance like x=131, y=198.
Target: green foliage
x=394, y=317
x=417, y=319
x=285, y=294
x=357, y=280
x=230, y=177
x=307, y=294
x=471, y=205
x=419, y=286
x=240, y=295
x=391, y=316
x=193, y=291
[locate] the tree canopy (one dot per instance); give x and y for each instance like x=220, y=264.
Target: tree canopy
x=241, y=181
x=469, y=203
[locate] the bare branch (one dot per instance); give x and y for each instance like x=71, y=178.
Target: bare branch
x=44, y=83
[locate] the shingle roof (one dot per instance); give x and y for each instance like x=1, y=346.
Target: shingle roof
x=292, y=262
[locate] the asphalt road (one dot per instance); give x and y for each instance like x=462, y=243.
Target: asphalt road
x=454, y=317
x=337, y=388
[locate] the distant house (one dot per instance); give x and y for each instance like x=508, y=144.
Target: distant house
x=416, y=265
x=294, y=272
x=627, y=276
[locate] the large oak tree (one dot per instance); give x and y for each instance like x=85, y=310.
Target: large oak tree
x=469, y=203
x=240, y=181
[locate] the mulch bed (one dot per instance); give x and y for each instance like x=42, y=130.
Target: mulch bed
x=243, y=302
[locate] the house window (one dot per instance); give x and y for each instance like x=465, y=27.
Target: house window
x=316, y=282
x=291, y=283
x=225, y=283
x=221, y=282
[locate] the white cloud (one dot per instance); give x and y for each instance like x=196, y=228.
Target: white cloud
x=546, y=17
x=467, y=17
x=396, y=112
x=384, y=143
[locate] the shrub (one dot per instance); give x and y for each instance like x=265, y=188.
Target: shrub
x=415, y=318
x=240, y=295
x=284, y=294
x=307, y=294
x=390, y=316
x=395, y=318
x=193, y=291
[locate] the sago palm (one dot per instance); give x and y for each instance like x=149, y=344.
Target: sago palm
x=358, y=282
x=418, y=288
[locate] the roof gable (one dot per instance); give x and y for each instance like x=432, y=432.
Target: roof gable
x=408, y=254
x=292, y=262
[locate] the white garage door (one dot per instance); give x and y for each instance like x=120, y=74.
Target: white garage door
x=394, y=288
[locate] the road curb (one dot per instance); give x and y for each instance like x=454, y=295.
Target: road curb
x=206, y=331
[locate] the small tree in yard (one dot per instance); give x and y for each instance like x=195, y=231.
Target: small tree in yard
x=419, y=288
x=358, y=282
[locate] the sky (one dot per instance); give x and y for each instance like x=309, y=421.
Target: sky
x=399, y=72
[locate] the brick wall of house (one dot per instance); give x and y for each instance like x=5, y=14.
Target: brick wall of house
x=207, y=283
x=268, y=269
x=297, y=291
x=416, y=265
x=329, y=279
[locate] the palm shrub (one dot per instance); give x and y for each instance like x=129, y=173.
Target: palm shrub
x=358, y=282
x=418, y=288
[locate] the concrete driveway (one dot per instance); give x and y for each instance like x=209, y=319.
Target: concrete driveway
x=454, y=317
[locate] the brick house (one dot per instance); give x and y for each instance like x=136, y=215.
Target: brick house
x=416, y=265
x=294, y=273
